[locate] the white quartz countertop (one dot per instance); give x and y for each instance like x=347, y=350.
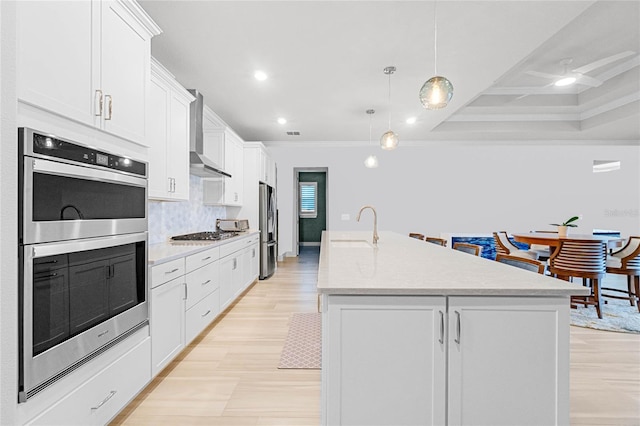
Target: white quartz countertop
x=170, y=250
x=400, y=265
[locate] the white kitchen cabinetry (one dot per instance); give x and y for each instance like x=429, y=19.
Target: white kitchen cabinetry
x=267, y=168
x=224, y=190
x=213, y=131
x=508, y=361
x=390, y=360
x=88, y=61
x=203, y=291
x=236, y=272
x=100, y=398
x=167, y=313
x=168, y=131
x=377, y=345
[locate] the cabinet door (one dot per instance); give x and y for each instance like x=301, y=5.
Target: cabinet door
x=384, y=360
x=227, y=266
x=159, y=183
x=238, y=175
x=57, y=56
x=178, y=147
x=167, y=323
x=508, y=361
x=125, y=72
x=255, y=261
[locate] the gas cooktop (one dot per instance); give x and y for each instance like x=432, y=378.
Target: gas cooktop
x=205, y=236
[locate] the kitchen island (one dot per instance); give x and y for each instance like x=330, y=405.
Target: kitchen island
x=415, y=333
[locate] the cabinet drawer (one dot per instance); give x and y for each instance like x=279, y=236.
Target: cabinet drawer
x=227, y=249
x=201, y=282
x=202, y=314
x=98, y=400
x=164, y=272
x=203, y=258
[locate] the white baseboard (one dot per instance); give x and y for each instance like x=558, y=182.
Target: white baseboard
x=310, y=244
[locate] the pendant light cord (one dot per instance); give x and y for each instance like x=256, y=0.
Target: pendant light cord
x=435, y=38
x=390, y=99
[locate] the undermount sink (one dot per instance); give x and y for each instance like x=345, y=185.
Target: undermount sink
x=351, y=243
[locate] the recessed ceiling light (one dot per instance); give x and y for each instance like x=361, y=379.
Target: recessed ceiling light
x=411, y=120
x=282, y=120
x=565, y=81
x=260, y=75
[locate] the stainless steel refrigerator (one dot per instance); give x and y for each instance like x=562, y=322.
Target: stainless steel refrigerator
x=268, y=231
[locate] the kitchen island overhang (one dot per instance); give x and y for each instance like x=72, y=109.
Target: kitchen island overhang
x=420, y=334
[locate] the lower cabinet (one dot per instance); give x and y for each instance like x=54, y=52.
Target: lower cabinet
x=188, y=294
x=100, y=398
x=167, y=322
x=410, y=360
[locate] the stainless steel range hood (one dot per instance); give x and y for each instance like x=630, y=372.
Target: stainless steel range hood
x=200, y=164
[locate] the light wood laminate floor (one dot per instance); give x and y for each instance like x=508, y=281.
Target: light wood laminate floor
x=229, y=375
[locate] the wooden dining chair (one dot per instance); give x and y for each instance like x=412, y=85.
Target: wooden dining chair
x=416, y=235
x=435, y=240
x=522, y=262
x=626, y=261
x=505, y=246
x=474, y=249
x=581, y=259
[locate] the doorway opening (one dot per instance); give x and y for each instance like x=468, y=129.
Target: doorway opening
x=311, y=201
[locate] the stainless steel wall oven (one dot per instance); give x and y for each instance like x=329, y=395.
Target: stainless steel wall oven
x=82, y=253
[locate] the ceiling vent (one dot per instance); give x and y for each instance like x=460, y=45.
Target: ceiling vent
x=293, y=133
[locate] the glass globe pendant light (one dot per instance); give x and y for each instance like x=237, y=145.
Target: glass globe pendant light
x=371, y=161
x=437, y=91
x=389, y=139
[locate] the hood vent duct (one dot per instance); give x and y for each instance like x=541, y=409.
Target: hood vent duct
x=199, y=163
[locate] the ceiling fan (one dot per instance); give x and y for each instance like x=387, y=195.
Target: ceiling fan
x=578, y=75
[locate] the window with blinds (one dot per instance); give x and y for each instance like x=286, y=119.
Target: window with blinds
x=308, y=196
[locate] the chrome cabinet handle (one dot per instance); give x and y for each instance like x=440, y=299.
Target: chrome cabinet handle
x=206, y=282
x=109, y=107
x=104, y=401
x=206, y=258
x=441, y=339
x=206, y=313
x=457, y=339
x=186, y=291
x=172, y=271
x=169, y=182
x=235, y=263
x=97, y=103
x=173, y=184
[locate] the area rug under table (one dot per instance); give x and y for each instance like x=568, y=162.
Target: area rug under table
x=617, y=315
x=302, y=348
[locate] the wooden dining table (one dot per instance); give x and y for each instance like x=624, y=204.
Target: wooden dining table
x=553, y=240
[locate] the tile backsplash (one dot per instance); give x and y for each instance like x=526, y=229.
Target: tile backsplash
x=169, y=218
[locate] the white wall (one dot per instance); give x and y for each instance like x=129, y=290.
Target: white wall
x=468, y=187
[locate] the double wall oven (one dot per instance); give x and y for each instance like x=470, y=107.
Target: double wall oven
x=82, y=253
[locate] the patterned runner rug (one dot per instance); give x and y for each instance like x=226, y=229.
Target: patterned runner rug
x=617, y=315
x=302, y=348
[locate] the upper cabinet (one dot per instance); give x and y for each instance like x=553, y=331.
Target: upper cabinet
x=227, y=191
x=88, y=61
x=267, y=168
x=168, y=135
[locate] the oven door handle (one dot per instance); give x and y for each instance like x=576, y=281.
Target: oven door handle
x=86, y=173
x=62, y=247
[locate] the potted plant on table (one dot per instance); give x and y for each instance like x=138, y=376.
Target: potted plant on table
x=564, y=226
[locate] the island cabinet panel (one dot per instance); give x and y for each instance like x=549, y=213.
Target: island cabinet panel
x=432, y=360
x=384, y=362
x=508, y=361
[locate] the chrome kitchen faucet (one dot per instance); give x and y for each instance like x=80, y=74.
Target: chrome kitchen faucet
x=375, y=222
